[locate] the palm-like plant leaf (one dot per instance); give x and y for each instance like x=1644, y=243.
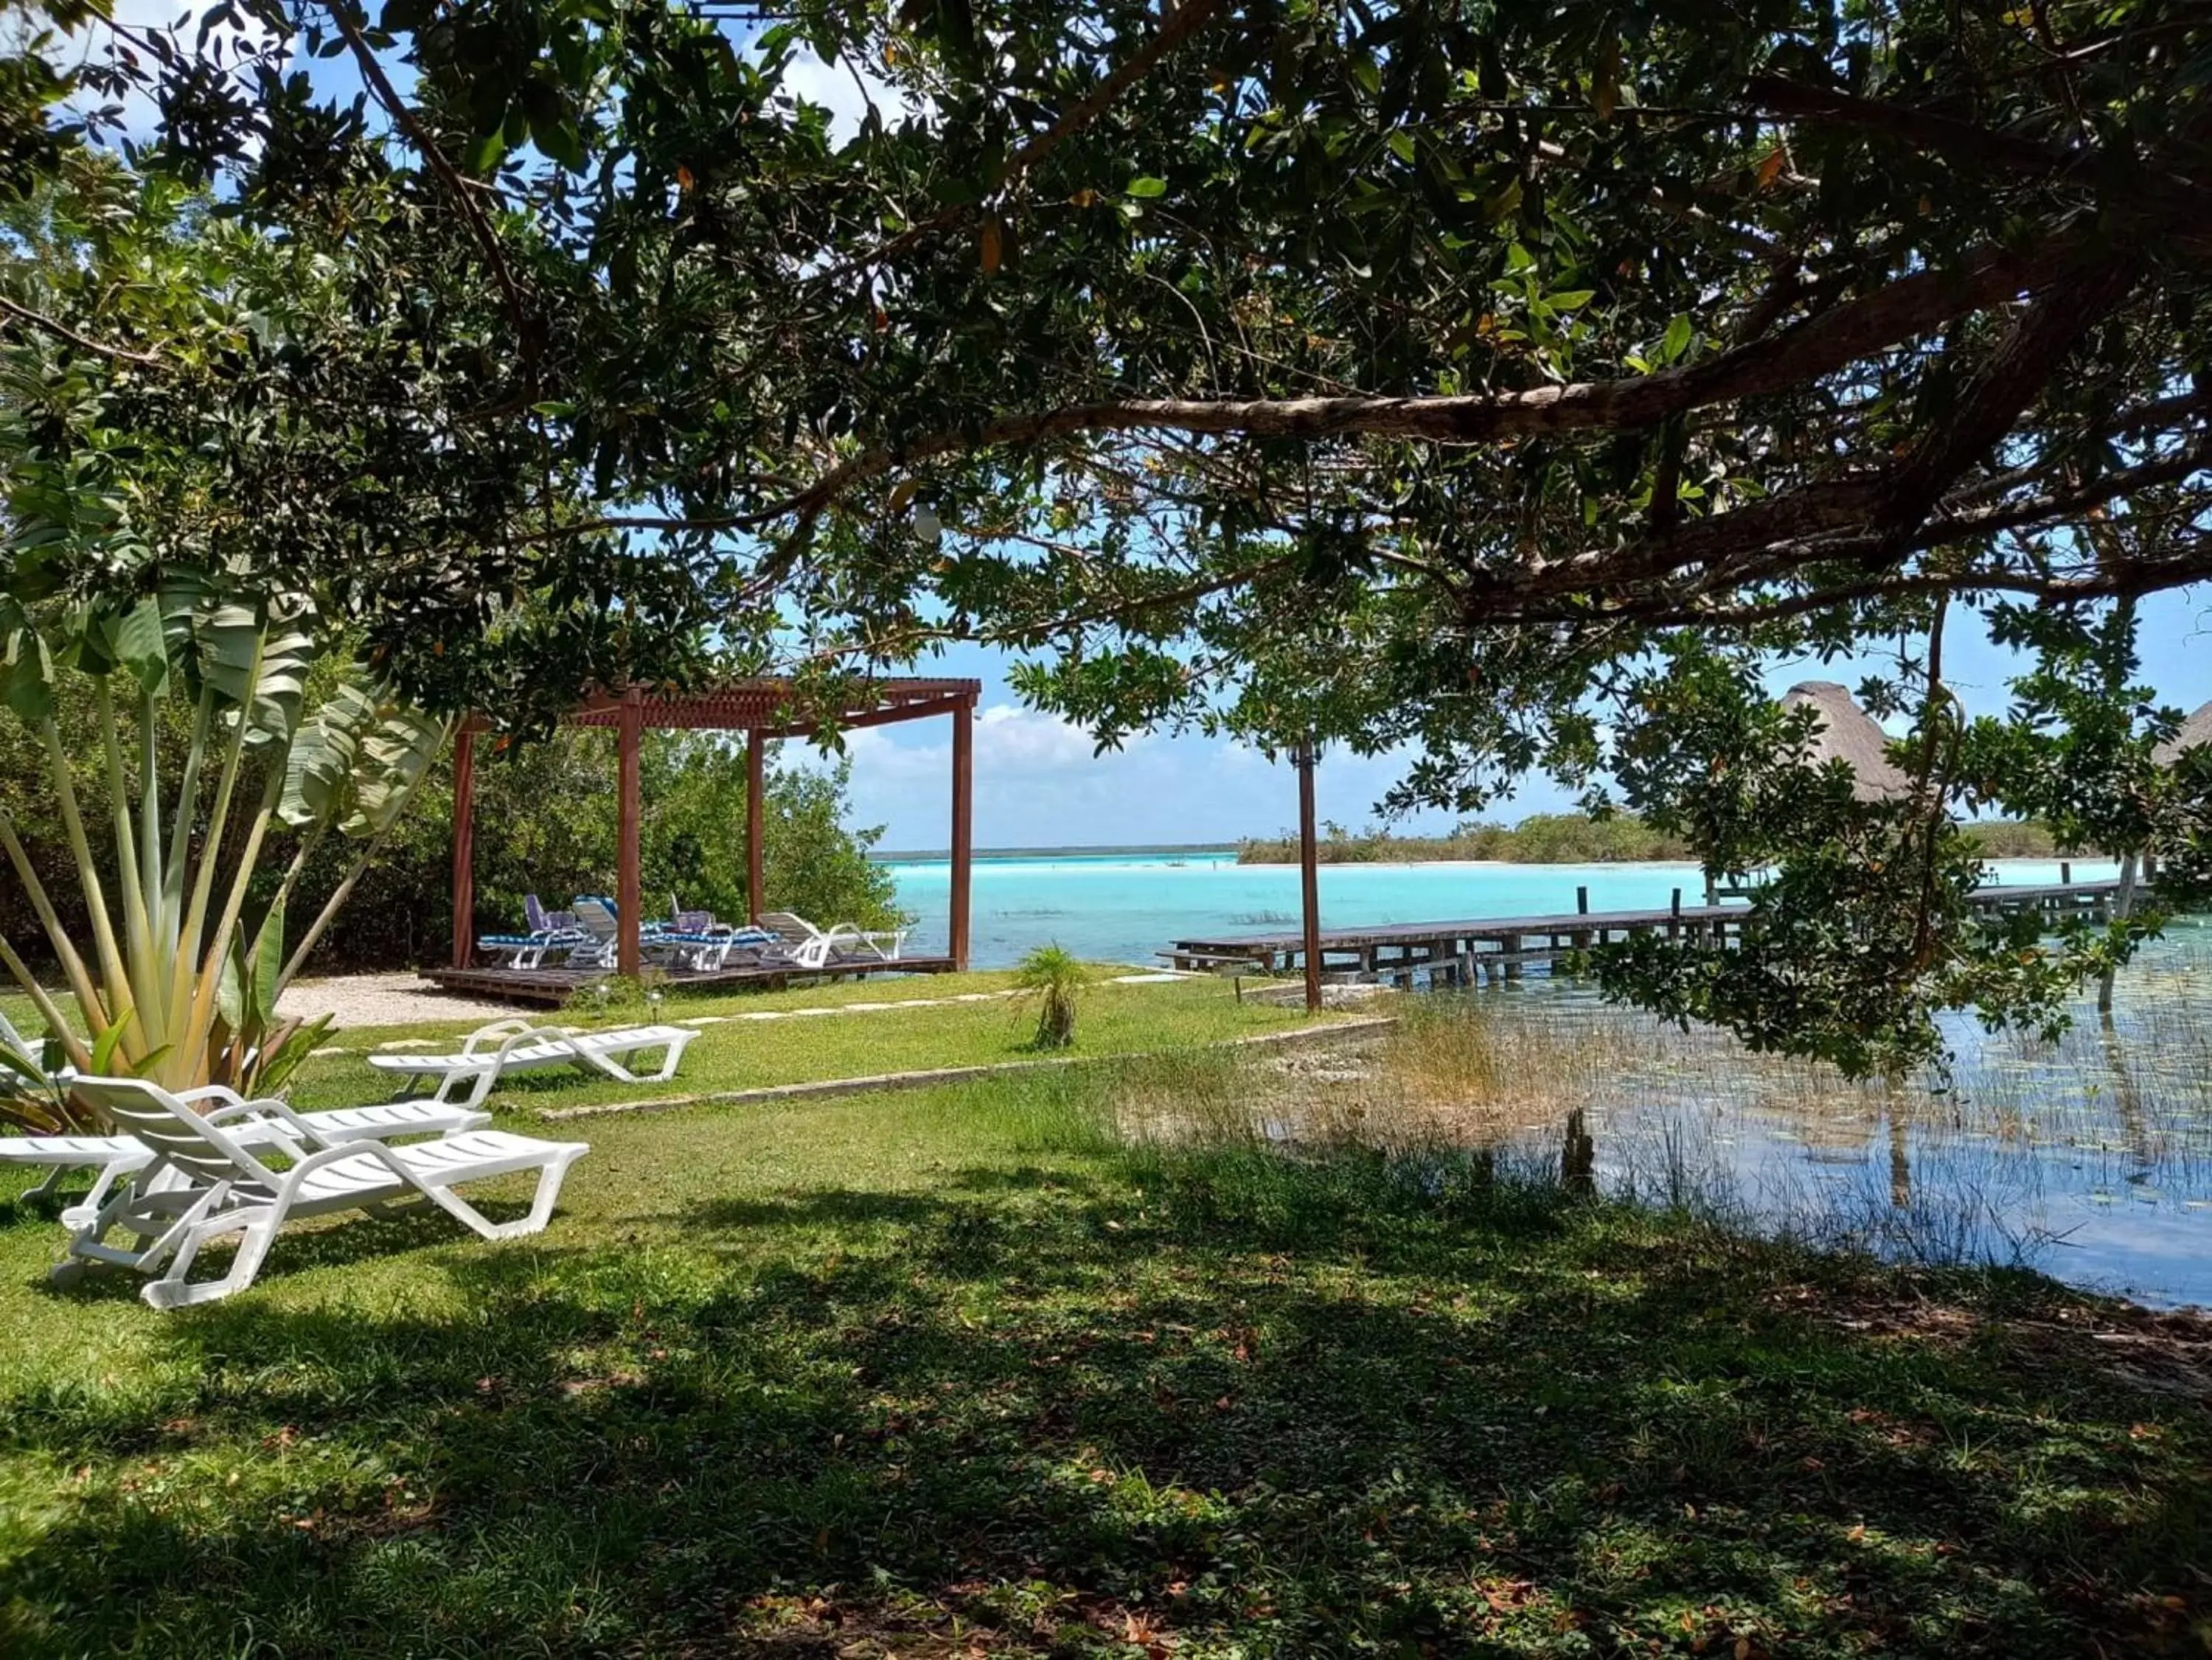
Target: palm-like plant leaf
x=325, y=752
x=394, y=760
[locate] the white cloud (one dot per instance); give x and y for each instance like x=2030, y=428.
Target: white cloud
x=1012, y=738
x=833, y=86
x=1013, y=746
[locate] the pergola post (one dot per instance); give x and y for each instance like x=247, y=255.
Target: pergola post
x=755, y=822
x=764, y=710
x=1309, y=876
x=630, y=899
x=963, y=826
x=465, y=872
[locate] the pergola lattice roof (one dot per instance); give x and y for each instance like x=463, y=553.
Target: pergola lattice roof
x=772, y=708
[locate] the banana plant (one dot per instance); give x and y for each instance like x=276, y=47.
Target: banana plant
x=175, y=981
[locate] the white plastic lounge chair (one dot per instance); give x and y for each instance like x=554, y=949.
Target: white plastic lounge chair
x=523, y=951
x=117, y=1156
x=490, y=1052
x=703, y=952
x=805, y=946
x=24, y=1053
x=539, y=920
x=697, y=942
x=25, y=1049
x=595, y=920
x=205, y=1183
x=551, y=933
x=547, y=933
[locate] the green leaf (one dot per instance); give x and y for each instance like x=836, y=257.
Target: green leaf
x=485, y=151
x=105, y=1045
x=229, y=638
x=323, y=756
x=283, y=1049
x=1677, y=338
x=1146, y=187
x=1605, y=81
x=264, y=963
x=141, y=646
x=230, y=994
x=27, y=676
x=394, y=759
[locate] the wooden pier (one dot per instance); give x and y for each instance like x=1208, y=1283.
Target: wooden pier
x=557, y=985
x=1494, y=948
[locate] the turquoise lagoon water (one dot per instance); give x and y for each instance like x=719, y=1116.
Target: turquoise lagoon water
x=1125, y=907
x=2091, y=1159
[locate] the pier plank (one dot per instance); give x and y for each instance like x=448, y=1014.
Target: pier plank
x=1457, y=948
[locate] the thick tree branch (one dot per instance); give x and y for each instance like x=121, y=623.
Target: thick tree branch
x=2003, y=386
x=2039, y=512
x=1894, y=501
x=1938, y=135
x=1817, y=346
x=2129, y=579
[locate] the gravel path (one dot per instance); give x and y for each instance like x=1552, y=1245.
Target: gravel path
x=383, y=1000
x=357, y=1000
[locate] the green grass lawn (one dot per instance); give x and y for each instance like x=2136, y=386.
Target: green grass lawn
x=745, y=1054
x=945, y=1373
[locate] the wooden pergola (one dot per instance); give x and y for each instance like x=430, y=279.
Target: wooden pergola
x=765, y=711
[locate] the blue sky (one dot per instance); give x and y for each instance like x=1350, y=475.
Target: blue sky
x=1037, y=782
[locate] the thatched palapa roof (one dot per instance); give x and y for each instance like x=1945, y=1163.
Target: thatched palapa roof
x=1848, y=733
x=2194, y=732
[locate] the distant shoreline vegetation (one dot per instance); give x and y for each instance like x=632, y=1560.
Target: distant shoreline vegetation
x=1540, y=839
x=1569, y=839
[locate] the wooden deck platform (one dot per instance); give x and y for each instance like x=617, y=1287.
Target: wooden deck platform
x=556, y=985
x=1460, y=953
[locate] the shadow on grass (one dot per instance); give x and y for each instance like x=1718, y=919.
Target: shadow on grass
x=1231, y=1403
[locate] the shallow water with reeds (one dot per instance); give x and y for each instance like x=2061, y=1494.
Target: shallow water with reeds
x=2089, y=1159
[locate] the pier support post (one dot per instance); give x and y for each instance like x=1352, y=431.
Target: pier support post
x=964, y=829
x=1310, y=875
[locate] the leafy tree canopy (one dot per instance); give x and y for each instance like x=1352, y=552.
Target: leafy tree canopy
x=1504, y=381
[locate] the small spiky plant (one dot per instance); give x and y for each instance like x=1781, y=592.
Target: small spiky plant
x=1055, y=975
